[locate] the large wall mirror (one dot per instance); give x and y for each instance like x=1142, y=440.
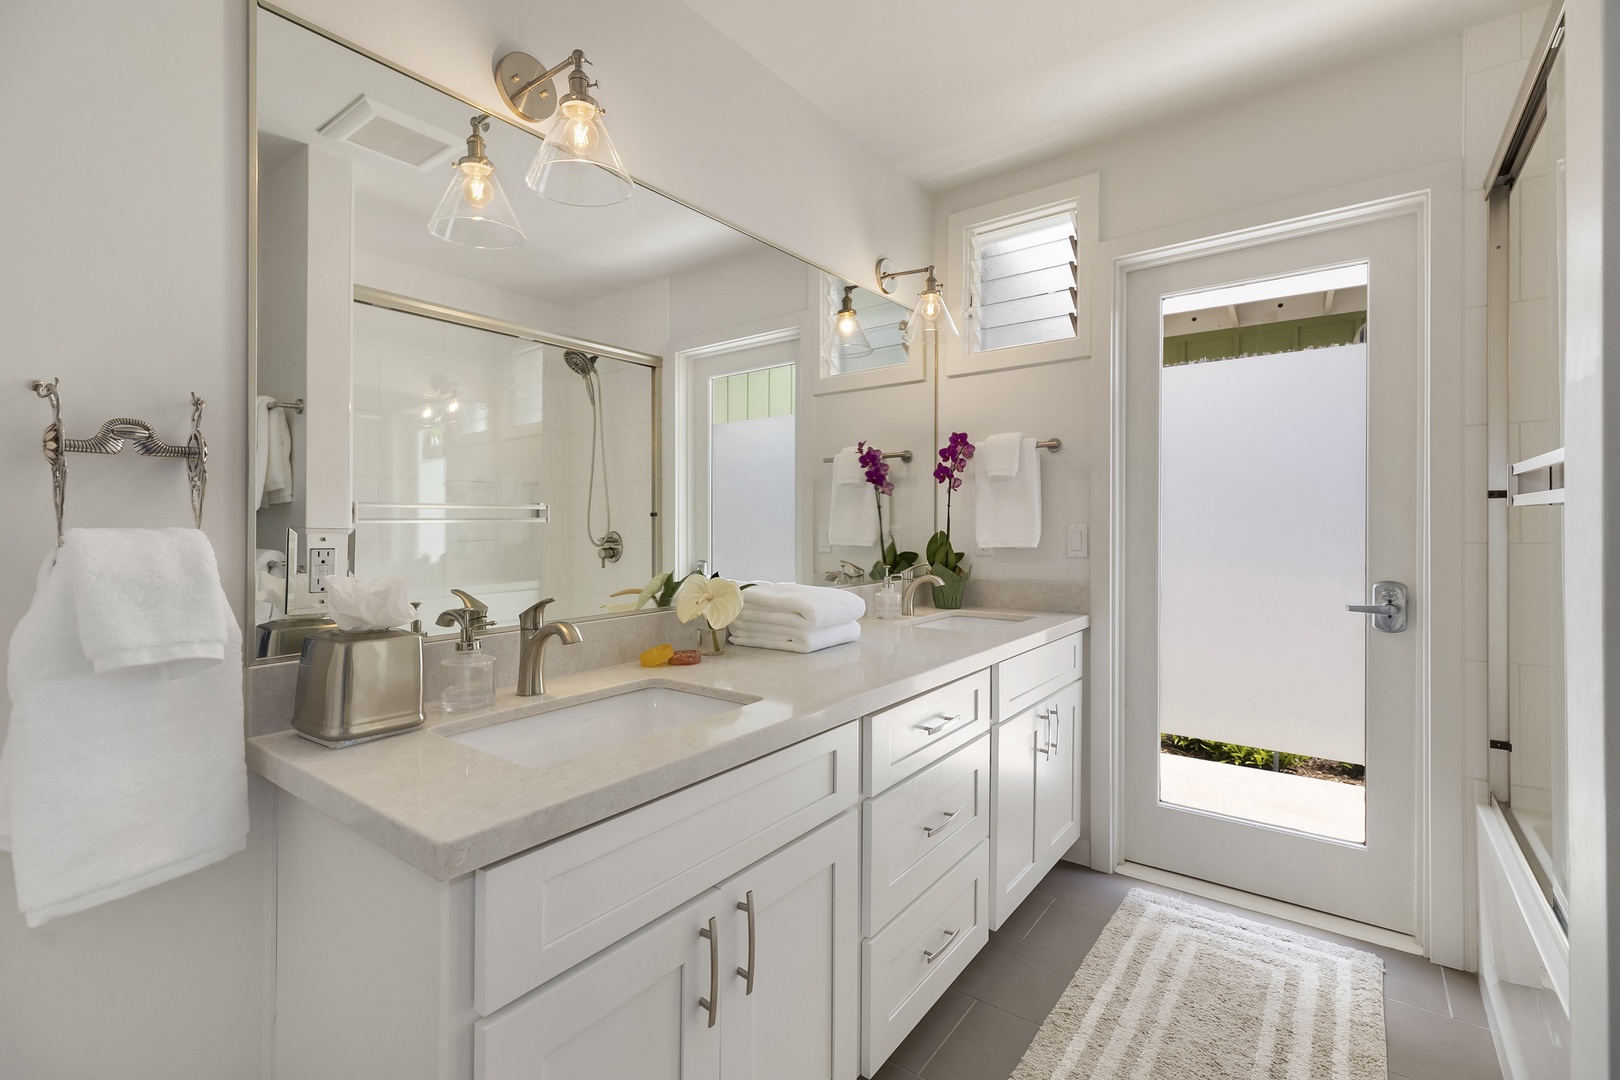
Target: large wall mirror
x=628, y=390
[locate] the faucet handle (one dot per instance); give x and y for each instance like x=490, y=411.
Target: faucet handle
x=479, y=609
x=535, y=614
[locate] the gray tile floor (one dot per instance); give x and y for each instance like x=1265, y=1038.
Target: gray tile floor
x=1433, y=1018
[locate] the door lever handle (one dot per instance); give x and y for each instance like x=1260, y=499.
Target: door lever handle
x=1388, y=608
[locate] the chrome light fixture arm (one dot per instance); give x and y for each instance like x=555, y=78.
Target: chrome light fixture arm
x=884, y=277
x=520, y=75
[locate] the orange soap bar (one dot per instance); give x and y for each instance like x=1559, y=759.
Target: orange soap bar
x=685, y=658
x=658, y=655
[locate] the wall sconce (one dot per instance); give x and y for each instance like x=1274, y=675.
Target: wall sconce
x=929, y=317
x=577, y=163
x=474, y=210
x=848, y=340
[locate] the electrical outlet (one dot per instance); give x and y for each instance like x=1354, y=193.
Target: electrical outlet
x=322, y=565
x=1078, y=542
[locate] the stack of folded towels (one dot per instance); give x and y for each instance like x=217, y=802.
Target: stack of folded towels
x=797, y=618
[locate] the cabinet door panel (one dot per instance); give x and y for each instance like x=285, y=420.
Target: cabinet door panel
x=1057, y=777
x=802, y=1020
x=1013, y=852
x=631, y=1011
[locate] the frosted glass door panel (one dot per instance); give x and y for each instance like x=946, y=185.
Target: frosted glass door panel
x=1263, y=478
x=753, y=499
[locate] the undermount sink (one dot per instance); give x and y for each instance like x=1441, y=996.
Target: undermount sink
x=559, y=735
x=970, y=622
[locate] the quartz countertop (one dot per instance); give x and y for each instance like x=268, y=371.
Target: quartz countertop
x=448, y=809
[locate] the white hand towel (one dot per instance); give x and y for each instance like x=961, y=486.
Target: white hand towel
x=261, y=445
x=998, y=455
x=117, y=782
x=852, y=520
x=278, y=470
x=804, y=607
x=799, y=641
x=146, y=598
x=1007, y=511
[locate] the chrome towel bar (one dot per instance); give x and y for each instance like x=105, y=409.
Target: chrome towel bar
x=111, y=439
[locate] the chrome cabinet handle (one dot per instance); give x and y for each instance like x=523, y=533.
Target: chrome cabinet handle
x=1045, y=750
x=930, y=955
x=712, y=1002
x=939, y=724
x=930, y=830
x=748, y=972
x=1053, y=743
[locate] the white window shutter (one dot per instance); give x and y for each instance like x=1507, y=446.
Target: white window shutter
x=1022, y=282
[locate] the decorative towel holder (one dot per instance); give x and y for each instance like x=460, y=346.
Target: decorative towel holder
x=111, y=439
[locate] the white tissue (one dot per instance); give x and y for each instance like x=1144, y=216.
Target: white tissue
x=380, y=604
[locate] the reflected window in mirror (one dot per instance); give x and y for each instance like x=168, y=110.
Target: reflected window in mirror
x=853, y=317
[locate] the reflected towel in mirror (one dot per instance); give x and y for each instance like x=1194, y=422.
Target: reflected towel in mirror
x=852, y=519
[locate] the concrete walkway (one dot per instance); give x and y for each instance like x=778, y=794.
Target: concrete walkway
x=1303, y=803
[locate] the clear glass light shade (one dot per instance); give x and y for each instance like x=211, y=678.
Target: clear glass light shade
x=930, y=319
x=848, y=339
x=577, y=164
x=474, y=211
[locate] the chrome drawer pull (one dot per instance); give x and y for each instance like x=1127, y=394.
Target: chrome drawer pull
x=930, y=955
x=748, y=972
x=930, y=830
x=935, y=726
x=712, y=1002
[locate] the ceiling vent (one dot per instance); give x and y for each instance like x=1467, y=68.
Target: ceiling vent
x=387, y=131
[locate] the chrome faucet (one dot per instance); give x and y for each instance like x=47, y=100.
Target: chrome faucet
x=531, y=680
x=908, y=599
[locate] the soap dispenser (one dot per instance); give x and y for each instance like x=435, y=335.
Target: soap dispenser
x=468, y=675
x=886, y=604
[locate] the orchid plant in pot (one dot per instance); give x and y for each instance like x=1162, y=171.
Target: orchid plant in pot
x=890, y=560
x=943, y=557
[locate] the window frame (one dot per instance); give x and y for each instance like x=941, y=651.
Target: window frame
x=1081, y=197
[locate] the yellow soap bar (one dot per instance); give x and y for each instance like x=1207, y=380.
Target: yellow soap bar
x=658, y=655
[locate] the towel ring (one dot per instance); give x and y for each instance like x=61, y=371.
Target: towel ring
x=111, y=439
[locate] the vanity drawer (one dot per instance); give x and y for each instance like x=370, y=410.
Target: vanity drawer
x=540, y=913
x=914, y=734
x=923, y=826
x=1027, y=677
x=910, y=965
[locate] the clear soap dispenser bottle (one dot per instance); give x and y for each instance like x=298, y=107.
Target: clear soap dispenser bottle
x=887, y=601
x=467, y=674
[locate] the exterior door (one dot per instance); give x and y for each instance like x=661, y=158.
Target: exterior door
x=1274, y=396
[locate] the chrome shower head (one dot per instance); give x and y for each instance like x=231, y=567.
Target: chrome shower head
x=583, y=365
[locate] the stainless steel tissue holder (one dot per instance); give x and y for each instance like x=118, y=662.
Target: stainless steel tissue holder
x=355, y=686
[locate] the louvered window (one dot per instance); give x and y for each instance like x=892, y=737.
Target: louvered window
x=1022, y=284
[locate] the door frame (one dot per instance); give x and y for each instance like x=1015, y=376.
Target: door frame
x=1449, y=780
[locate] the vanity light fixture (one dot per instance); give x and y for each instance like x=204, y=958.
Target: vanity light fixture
x=474, y=210
x=848, y=340
x=930, y=317
x=577, y=163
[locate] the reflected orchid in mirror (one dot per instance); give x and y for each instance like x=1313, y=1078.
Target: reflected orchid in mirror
x=890, y=558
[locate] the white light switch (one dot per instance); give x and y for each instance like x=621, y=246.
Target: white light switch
x=823, y=544
x=1078, y=546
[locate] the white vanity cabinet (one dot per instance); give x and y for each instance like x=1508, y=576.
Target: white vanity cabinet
x=1036, y=784
x=753, y=979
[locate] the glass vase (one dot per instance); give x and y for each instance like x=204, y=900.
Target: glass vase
x=711, y=641
x=949, y=595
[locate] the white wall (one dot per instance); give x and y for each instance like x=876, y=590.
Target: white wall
x=129, y=281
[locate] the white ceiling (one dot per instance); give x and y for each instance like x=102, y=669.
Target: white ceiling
x=957, y=89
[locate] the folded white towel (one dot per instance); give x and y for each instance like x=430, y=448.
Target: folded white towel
x=276, y=438
x=998, y=455
x=799, y=641
x=852, y=520
x=802, y=607
x=146, y=598
x=1007, y=512
x=261, y=445
x=115, y=782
